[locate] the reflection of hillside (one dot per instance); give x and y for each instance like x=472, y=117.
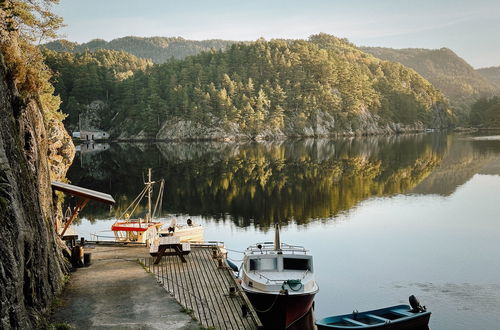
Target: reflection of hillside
x=263, y=183
x=463, y=158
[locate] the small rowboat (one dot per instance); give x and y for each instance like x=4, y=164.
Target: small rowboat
x=395, y=317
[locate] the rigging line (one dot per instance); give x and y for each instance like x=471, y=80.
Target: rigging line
x=158, y=199
x=161, y=200
x=133, y=202
x=137, y=199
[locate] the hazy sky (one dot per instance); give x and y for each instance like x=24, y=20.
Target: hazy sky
x=470, y=28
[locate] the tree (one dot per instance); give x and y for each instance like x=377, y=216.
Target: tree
x=21, y=24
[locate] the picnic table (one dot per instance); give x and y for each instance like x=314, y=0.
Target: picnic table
x=173, y=245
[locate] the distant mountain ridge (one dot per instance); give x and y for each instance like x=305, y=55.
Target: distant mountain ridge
x=158, y=49
x=491, y=73
x=448, y=72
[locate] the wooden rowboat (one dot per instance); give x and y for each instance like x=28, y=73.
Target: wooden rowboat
x=395, y=317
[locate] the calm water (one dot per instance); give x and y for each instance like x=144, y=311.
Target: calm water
x=384, y=217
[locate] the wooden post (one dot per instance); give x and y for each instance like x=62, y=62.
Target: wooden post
x=81, y=204
x=161, y=251
x=178, y=249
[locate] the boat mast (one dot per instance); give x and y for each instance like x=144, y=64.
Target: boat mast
x=150, y=188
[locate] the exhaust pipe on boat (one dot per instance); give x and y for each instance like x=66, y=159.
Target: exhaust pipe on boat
x=277, y=240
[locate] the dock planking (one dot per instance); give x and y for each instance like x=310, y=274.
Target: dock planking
x=203, y=285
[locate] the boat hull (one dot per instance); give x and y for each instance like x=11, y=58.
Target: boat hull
x=280, y=311
x=135, y=231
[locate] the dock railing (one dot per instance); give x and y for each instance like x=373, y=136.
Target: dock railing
x=206, y=287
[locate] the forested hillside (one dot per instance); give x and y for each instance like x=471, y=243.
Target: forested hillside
x=486, y=113
x=445, y=70
x=158, y=49
x=85, y=77
x=491, y=73
x=263, y=89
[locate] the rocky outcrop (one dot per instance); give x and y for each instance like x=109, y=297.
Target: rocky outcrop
x=325, y=125
x=177, y=129
x=31, y=264
x=61, y=150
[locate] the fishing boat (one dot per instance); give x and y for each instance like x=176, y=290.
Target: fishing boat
x=141, y=230
x=278, y=279
x=395, y=317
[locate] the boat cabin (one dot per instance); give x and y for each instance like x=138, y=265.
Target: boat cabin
x=269, y=269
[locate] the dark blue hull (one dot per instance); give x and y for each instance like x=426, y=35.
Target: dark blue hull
x=395, y=317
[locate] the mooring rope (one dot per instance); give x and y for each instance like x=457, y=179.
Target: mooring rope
x=235, y=250
x=235, y=260
x=267, y=309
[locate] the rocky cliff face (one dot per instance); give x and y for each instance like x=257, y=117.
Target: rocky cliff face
x=31, y=263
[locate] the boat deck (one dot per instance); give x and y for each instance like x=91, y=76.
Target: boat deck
x=206, y=287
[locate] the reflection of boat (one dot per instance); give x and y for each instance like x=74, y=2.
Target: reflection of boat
x=140, y=230
x=279, y=281
x=395, y=317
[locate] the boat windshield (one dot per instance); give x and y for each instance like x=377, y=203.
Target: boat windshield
x=296, y=264
x=264, y=264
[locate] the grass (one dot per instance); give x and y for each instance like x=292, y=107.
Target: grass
x=188, y=311
x=60, y=326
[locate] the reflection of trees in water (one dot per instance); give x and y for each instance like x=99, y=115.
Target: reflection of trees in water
x=463, y=159
x=263, y=183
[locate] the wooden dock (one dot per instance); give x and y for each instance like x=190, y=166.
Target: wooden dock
x=206, y=286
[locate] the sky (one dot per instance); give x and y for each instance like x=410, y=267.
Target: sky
x=470, y=28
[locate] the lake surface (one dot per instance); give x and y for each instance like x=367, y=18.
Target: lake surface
x=384, y=217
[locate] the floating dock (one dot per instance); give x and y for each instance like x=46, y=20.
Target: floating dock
x=206, y=287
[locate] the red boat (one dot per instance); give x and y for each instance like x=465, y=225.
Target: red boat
x=140, y=230
x=279, y=281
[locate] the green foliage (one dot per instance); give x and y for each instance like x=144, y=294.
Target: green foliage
x=21, y=24
x=82, y=78
x=280, y=86
x=60, y=326
x=486, y=112
x=276, y=85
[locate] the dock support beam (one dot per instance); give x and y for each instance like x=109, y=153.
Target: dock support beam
x=81, y=204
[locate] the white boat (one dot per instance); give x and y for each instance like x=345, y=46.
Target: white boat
x=188, y=233
x=279, y=281
x=170, y=241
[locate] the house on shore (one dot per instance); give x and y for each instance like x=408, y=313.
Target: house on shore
x=91, y=135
